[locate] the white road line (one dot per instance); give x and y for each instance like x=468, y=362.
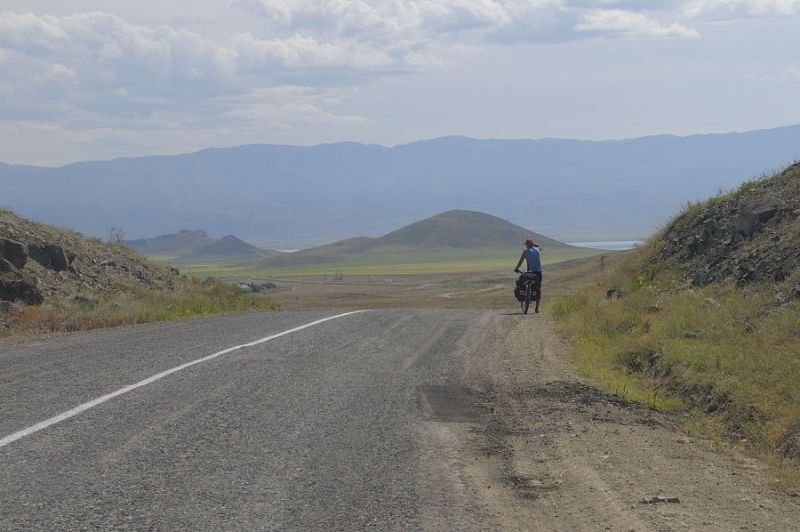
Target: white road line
x=100, y=400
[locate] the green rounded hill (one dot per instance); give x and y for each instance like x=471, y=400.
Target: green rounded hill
x=451, y=230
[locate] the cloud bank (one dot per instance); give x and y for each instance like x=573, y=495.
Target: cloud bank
x=736, y=9
x=291, y=62
x=92, y=65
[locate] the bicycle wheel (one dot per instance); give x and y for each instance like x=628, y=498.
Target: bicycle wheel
x=527, y=303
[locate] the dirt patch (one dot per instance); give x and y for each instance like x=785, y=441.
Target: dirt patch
x=571, y=392
x=449, y=404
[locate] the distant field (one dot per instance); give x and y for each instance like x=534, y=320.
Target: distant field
x=396, y=263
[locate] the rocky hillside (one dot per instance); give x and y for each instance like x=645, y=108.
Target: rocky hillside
x=750, y=235
x=41, y=263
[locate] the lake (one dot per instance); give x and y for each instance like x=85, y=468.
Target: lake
x=611, y=245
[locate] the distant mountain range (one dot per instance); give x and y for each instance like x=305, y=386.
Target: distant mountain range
x=186, y=245
x=294, y=196
x=457, y=229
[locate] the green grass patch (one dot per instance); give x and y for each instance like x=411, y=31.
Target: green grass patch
x=398, y=263
x=608, y=341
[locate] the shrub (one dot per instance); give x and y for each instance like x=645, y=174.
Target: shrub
x=139, y=306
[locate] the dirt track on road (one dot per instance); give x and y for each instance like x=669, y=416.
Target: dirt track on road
x=558, y=454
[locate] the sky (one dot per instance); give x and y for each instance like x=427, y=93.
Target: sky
x=99, y=79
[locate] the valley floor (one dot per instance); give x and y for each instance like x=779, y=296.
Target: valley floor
x=491, y=290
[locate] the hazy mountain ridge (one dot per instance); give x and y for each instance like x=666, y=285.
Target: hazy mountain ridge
x=310, y=195
x=180, y=243
x=187, y=244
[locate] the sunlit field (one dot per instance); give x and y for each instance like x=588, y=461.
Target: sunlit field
x=398, y=263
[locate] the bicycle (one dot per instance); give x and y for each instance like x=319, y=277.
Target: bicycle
x=528, y=289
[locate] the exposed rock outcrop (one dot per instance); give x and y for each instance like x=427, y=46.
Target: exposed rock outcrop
x=751, y=235
x=17, y=286
x=51, y=256
x=40, y=263
x=14, y=252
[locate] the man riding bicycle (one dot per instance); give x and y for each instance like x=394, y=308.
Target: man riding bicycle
x=533, y=256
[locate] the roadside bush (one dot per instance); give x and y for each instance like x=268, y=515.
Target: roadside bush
x=193, y=299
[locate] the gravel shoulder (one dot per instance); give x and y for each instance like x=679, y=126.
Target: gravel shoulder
x=557, y=454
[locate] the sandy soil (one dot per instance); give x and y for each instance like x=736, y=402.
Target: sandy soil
x=556, y=453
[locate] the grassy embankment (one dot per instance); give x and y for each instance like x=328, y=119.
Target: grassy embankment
x=192, y=299
x=398, y=263
x=729, y=357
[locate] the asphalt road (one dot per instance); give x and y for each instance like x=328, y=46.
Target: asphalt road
x=324, y=428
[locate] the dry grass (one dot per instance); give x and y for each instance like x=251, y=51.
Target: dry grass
x=124, y=308
x=731, y=357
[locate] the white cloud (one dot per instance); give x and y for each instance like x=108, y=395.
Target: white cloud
x=381, y=21
x=286, y=104
x=302, y=53
x=289, y=115
x=734, y=9
x=631, y=24
x=99, y=57
x=97, y=62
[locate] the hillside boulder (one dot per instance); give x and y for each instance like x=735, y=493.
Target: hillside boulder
x=51, y=256
x=14, y=252
x=753, y=217
x=17, y=286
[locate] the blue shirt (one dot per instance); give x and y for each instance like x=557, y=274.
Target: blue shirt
x=534, y=259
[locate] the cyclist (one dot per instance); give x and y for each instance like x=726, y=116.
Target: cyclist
x=533, y=256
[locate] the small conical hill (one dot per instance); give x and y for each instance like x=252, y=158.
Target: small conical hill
x=463, y=229
x=456, y=229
